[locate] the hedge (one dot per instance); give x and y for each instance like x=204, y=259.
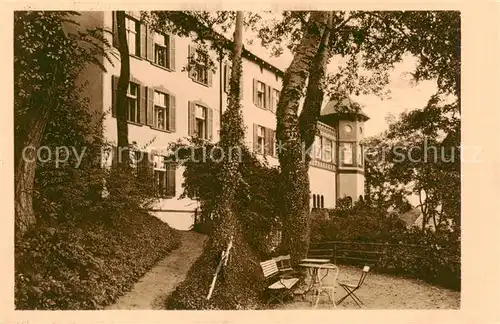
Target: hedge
x=84, y=266
x=435, y=258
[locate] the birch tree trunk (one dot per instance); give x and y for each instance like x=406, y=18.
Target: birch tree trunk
x=294, y=175
x=311, y=110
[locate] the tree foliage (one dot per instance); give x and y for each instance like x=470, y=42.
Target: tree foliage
x=419, y=154
x=47, y=61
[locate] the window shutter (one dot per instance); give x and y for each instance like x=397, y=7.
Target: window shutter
x=171, y=113
x=191, y=52
x=150, y=105
x=171, y=49
x=191, y=120
x=255, y=137
x=210, y=124
x=267, y=141
x=114, y=91
x=150, y=44
x=142, y=104
x=115, y=30
x=272, y=141
x=170, y=192
x=143, y=29
x=210, y=77
x=255, y=84
x=272, y=107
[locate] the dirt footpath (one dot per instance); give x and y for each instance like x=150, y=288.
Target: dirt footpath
x=150, y=291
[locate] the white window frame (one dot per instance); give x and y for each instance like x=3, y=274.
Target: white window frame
x=201, y=115
x=161, y=43
x=133, y=98
x=327, y=150
x=261, y=139
x=318, y=147
x=200, y=69
x=133, y=30
x=347, y=158
x=261, y=94
x=158, y=105
x=359, y=150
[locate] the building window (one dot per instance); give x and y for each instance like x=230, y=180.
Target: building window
x=133, y=102
x=261, y=94
x=164, y=177
x=199, y=71
x=327, y=150
x=347, y=151
x=133, y=40
x=161, y=50
x=260, y=139
x=314, y=201
x=360, y=155
x=317, y=147
x=161, y=110
x=201, y=122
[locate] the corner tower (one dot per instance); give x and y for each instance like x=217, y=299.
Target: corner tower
x=348, y=119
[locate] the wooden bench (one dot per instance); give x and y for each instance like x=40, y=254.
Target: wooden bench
x=279, y=284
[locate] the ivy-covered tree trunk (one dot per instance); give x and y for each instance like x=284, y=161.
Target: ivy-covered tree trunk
x=236, y=284
x=294, y=171
x=121, y=95
x=231, y=136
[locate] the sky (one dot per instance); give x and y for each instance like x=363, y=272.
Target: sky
x=404, y=95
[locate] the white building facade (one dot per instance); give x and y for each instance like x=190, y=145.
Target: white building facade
x=167, y=103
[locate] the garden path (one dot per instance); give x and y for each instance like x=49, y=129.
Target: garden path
x=150, y=291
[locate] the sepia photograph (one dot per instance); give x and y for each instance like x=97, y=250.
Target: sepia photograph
x=237, y=160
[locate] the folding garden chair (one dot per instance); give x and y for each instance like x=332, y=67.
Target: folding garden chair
x=351, y=288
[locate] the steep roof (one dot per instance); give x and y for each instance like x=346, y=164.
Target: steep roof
x=344, y=107
x=411, y=216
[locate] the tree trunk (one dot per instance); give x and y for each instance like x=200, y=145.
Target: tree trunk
x=236, y=280
x=121, y=95
x=231, y=135
x=311, y=110
x=294, y=175
x=25, y=170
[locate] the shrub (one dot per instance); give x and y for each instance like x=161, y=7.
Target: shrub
x=257, y=201
x=242, y=291
x=87, y=265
